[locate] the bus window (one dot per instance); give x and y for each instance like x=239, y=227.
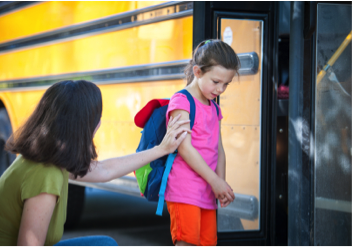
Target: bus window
x=241, y=106
x=333, y=126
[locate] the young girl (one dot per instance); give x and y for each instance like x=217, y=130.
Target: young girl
x=55, y=144
x=197, y=176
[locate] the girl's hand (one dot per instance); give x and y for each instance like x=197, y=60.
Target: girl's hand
x=174, y=135
x=223, y=192
x=224, y=202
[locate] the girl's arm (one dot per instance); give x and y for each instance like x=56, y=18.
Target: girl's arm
x=36, y=216
x=193, y=158
x=109, y=169
x=221, y=164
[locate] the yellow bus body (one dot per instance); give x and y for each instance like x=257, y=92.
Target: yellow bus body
x=29, y=21
x=151, y=43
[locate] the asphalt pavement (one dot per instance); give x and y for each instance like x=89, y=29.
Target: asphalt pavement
x=130, y=220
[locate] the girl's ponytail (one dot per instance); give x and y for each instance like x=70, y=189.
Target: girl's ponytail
x=188, y=71
x=211, y=53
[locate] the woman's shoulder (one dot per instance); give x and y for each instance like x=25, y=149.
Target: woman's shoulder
x=39, y=170
x=30, y=178
x=40, y=177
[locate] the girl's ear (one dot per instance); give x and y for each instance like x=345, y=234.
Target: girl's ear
x=197, y=71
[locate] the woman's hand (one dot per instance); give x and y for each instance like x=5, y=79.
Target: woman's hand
x=174, y=135
x=106, y=170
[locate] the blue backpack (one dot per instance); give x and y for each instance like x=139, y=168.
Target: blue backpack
x=152, y=178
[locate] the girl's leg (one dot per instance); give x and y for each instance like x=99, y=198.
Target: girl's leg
x=184, y=223
x=88, y=241
x=182, y=243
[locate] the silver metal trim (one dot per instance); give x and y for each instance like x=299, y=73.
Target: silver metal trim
x=142, y=79
x=107, y=82
x=138, y=73
x=19, y=8
x=110, y=80
x=125, y=185
x=243, y=206
x=103, y=82
x=96, y=21
x=104, y=71
x=100, y=30
x=332, y=204
x=252, y=60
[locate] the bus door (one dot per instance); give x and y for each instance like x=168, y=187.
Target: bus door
x=332, y=170
x=248, y=114
x=320, y=120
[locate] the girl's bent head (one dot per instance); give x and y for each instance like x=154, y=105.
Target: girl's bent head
x=210, y=53
x=60, y=130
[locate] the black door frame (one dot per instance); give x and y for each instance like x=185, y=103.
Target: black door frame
x=206, y=15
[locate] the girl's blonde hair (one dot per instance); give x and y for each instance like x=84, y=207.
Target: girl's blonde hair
x=211, y=53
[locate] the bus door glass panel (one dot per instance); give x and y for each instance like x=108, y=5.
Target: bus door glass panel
x=333, y=126
x=241, y=128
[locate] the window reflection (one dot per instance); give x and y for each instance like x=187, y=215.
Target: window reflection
x=241, y=109
x=333, y=126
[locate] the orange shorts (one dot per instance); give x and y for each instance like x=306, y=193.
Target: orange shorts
x=192, y=224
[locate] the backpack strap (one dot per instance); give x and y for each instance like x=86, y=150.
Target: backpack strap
x=192, y=106
x=168, y=167
x=215, y=104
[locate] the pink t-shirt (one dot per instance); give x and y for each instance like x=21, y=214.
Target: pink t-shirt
x=184, y=184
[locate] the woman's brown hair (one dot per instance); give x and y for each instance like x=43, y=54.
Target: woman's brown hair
x=211, y=53
x=60, y=130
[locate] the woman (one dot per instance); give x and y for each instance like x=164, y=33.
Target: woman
x=55, y=144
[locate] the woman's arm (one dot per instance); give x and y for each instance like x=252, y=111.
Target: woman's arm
x=191, y=156
x=36, y=216
x=106, y=170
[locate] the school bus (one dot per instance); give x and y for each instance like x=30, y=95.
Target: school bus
x=287, y=118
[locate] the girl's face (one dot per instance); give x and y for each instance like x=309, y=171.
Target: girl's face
x=215, y=81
